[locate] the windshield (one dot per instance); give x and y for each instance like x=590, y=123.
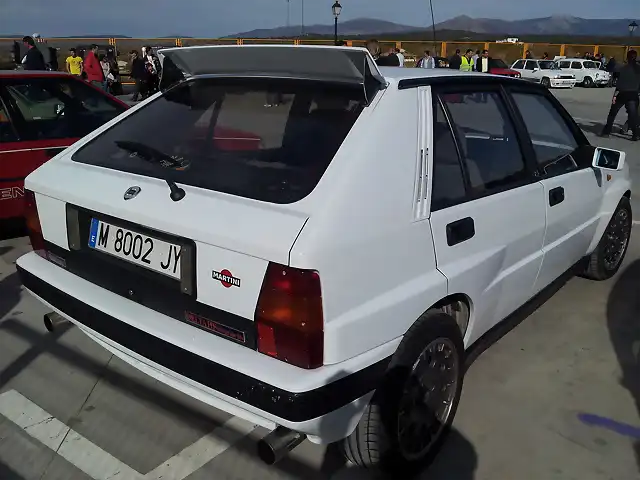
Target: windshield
x=262, y=139
x=590, y=65
x=547, y=65
x=497, y=63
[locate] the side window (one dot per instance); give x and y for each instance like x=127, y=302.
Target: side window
x=565, y=64
x=447, y=186
x=518, y=65
x=576, y=65
x=553, y=142
x=530, y=65
x=491, y=153
x=58, y=108
x=7, y=133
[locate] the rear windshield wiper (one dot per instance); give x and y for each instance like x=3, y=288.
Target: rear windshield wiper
x=159, y=158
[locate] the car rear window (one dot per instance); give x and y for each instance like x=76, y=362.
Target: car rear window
x=265, y=139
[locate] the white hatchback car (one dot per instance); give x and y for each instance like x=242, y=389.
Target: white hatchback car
x=320, y=267
x=587, y=72
x=545, y=72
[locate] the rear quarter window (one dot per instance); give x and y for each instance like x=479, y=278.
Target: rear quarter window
x=269, y=140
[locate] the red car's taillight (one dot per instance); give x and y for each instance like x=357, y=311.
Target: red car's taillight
x=33, y=223
x=289, y=316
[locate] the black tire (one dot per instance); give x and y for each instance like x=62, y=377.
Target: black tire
x=598, y=267
x=546, y=82
x=375, y=444
x=587, y=82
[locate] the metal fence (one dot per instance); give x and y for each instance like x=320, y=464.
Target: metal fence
x=509, y=52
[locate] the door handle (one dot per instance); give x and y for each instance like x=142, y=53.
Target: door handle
x=556, y=196
x=460, y=231
x=52, y=152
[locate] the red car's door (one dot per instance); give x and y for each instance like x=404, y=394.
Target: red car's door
x=17, y=160
x=45, y=115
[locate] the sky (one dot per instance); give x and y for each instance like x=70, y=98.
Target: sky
x=214, y=18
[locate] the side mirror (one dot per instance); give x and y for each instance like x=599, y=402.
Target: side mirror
x=536, y=69
x=607, y=159
x=58, y=109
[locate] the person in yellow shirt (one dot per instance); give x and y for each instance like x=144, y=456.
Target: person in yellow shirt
x=74, y=63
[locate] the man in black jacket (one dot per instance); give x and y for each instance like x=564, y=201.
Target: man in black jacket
x=456, y=60
x=33, y=60
x=627, y=90
x=140, y=76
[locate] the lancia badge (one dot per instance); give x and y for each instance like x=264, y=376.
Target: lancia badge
x=131, y=192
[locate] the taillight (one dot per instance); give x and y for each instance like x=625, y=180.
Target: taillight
x=33, y=223
x=289, y=316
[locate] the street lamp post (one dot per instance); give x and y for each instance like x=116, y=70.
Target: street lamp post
x=336, y=8
x=633, y=26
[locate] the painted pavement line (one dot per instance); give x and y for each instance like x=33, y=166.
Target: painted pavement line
x=203, y=451
x=100, y=465
x=68, y=443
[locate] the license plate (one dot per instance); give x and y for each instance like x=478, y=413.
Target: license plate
x=137, y=248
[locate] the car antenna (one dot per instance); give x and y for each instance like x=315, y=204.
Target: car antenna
x=177, y=193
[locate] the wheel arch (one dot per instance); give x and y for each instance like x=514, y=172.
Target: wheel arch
x=459, y=306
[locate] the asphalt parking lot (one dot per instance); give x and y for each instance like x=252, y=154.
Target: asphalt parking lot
x=557, y=397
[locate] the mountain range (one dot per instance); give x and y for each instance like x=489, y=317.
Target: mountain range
x=554, y=25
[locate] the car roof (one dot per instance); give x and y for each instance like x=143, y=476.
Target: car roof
x=31, y=73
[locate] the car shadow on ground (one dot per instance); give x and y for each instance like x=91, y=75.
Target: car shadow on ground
x=10, y=288
x=623, y=321
x=7, y=473
x=457, y=454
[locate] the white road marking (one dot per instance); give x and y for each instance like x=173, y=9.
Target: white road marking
x=204, y=450
x=99, y=464
x=68, y=443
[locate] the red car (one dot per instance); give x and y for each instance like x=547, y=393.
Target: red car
x=498, y=67
x=42, y=113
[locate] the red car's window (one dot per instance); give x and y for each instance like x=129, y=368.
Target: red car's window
x=60, y=107
x=7, y=133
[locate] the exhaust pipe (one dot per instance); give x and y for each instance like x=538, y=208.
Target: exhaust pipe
x=53, y=320
x=277, y=444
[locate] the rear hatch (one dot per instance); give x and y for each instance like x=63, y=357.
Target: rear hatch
x=183, y=204
x=201, y=260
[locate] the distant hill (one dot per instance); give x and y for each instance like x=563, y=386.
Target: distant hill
x=555, y=25
x=357, y=27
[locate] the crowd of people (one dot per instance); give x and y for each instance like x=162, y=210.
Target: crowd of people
x=100, y=69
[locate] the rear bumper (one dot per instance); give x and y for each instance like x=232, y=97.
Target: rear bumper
x=560, y=83
x=326, y=413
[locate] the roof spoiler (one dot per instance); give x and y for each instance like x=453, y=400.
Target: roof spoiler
x=346, y=65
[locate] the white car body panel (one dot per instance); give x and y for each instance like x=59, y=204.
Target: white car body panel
x=536, y=75
x=496, y=273
x=571, y=225
x=382, y=255
x=599, y=77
